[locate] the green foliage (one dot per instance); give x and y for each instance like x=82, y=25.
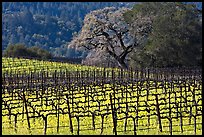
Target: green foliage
x=46, y=24
x=12, y=65
x=38, y=52
x=20, y=50
x=176, y=37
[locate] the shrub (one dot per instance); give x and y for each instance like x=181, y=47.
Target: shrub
x=20, y=50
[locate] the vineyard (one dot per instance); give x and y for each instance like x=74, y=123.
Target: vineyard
x=57, y=98
x=19, y=66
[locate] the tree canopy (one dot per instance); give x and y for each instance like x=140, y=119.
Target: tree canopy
x=176, y=36
x=106, y=29
x=20, y=50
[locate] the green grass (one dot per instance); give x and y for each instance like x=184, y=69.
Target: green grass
x=15, y=65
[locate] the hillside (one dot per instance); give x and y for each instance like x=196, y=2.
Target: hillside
x=49, y=25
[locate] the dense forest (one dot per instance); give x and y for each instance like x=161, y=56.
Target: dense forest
x=49, y=25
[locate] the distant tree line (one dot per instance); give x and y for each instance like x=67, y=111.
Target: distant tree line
x=35, y=52
x=49, y=25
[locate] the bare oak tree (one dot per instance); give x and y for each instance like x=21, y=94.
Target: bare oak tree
x=106, y=29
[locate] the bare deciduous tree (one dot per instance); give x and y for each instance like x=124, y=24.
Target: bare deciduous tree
x=106, y=29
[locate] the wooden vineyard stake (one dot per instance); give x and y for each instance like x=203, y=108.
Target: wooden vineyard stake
x=13, y=91
x=42, y=82
x=181, y=106
x=165, y=89
x=137, y=103
x=93, y=120
x=158, y=113
x=147, y=91
x=195, y=105
x=134, y=126
x=125, y=125
x=190, y=115
x=177, y=112
x=194, y=124
x=37, y=89
x=170, y=118
x=113, y=116
x=185, y=91
x=87, y=96
x=102, y=117
x=148, y=114
x=26, y=108
x=45, y=122
x=180, y=112
x=78, y=124
x=55, y=77
x=9, y=110
x=126, y=113
x=58, y=117
x=72, y=89
x=181, y=121
x=15, y=122
x=69, y=113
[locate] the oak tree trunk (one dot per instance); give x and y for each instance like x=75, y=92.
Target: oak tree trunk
x=122, y=64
